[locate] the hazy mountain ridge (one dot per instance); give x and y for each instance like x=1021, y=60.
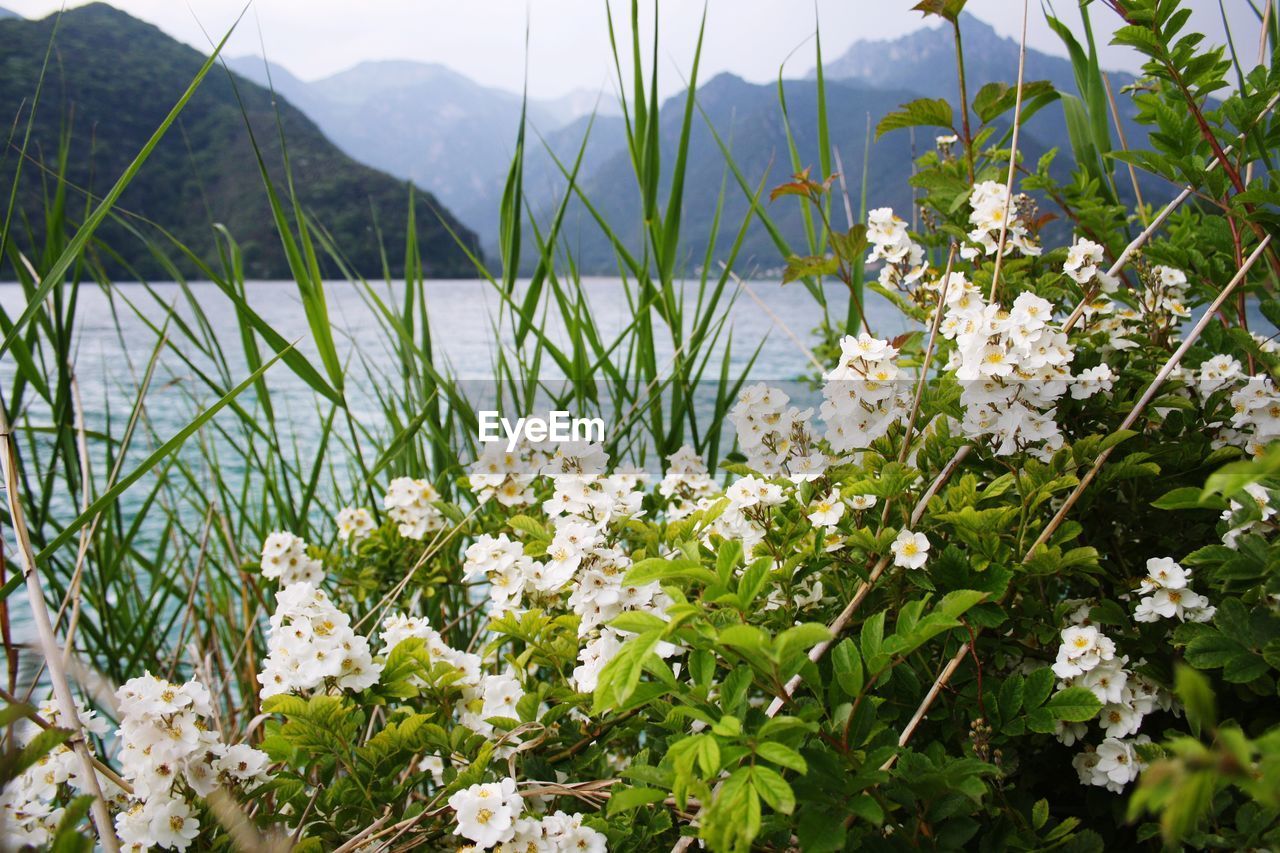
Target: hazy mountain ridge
x=915, y=62
x=441, y=129
x=426, y=123
x=113, y=80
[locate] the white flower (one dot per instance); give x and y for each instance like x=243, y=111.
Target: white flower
x=284, y=558
x=486, y=813
x=1082, y=260
x=1164, y=573
x=1117, y=766
x=910, y=550
x=594, y=656
x=1262, y=498
x=410, y=503
x=1091, y=381
x=1119, y=720
x=752, y=491
x=861, y=502
x=1184, y=604
x=1083, y=647
x=171, y=824
x=242, y=763
x=1107, y=680
x=827, y=511
x=354, y=524
x=1068, y=733
x=310, y=643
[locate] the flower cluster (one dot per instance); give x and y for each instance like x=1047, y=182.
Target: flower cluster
x=862, y=399
x=585, y=490
x=686, y=483
x=1165, y=294
x=508, y=570
x=904, y=260
x=1112, y=765
x=29, y=814
x=1013, y=367
x=1170, y=597
x=1082, y=261
x=284, y=559
x=503, y=475
x=170, y=755
x=410, y=504
x=992, y=211
x=1257, y=414
x=354, y=524
x=775, y=436
x=1087, y=658
x=490, y=815
x=310, y=643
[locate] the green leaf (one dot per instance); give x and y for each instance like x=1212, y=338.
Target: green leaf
x=753, y=581
x=1074, y=705
x=1189, y=497
x=628, y=799
x=923, y=112
x=773, y=789
x=620, y=676
x=809, y=267
x=847, y=664
x=529, y=526
x=801, y=638
x=659, y=569
x=637, y=622
x=783, y=756
x=1197, y=698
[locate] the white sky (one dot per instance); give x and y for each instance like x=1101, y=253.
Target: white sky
x=569, y=47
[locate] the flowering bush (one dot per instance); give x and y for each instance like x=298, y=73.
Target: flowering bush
x=1014, y=586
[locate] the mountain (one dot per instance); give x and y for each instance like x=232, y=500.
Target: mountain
x=746, y=117
x=920, y=61
x=112, y=81
x=870, y=80
x=424, y=122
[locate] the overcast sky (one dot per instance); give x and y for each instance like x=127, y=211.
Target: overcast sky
x=568, y=39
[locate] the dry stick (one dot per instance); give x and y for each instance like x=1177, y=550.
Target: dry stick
x=49, y=644
x=1061, y=515
x=1013, y=155
x=838, y=624
x=441, y=539
x=928, y=356
x=1124, y=145
x=82, y=552
x=244, y=835
x=777, y=321
x=1262, y=60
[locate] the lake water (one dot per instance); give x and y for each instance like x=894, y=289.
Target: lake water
x=115, y=336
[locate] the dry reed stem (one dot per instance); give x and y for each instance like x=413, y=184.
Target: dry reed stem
x=53, y=655
x=1013, y=155
x=838, y=624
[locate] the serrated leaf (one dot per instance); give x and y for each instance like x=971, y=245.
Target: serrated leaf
x=783, y=756
x=922, y=112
